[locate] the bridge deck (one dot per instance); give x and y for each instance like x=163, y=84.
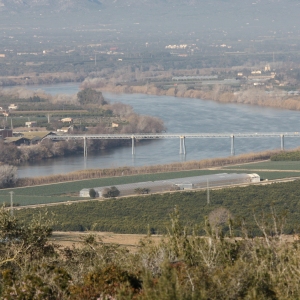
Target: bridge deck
x=152, y=136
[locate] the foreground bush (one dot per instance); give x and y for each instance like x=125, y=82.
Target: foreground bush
x=181, y=266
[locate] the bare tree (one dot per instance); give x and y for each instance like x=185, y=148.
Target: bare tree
x=219, y=217
x=8, y=176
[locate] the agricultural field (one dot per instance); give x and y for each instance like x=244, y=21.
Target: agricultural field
x=140, y=213
x=69, y=191
x=268, y=165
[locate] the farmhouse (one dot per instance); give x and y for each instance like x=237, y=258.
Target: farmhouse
x=67, y=120
x=65, y=129
x=18, y=141
x=31, y=124
x=13, y=107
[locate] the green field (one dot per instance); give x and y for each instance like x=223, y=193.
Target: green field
x=268, y=165
x=69, y=191
x=134, y=214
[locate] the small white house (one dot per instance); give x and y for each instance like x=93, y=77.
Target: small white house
x=13, y=107
x=254, y=178
x=67, y=120
x=31, y=124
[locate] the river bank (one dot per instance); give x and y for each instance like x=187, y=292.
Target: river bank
x=250, y=96
x=125, y=171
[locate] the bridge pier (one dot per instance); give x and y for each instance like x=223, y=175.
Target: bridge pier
x=84, y=147
x=182, y=149
x=132, y=146
x=282, y=141
x=232, y=145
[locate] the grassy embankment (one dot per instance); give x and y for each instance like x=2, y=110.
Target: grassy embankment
x=125, y=171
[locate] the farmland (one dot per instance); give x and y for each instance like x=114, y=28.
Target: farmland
x=268, y=165
x=136, y=214
x=69, y=191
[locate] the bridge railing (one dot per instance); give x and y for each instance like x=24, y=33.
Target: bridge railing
x=181, y=136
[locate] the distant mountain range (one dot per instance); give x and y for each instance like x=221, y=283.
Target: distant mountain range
x=226, y=17
x=64, y=5
x=56, y=5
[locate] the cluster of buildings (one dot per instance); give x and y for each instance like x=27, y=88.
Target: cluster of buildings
x=11, y=107
x=23, y=138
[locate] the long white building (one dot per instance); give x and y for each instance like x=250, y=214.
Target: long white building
x=194, y=182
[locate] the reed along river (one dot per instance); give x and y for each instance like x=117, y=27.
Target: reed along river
x=180, y=115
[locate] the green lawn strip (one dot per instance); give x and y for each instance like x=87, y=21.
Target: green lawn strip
x=135, y=214
x=76, y=186
x=268, y=165
x=276, y=175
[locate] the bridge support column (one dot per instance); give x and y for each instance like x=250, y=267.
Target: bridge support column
x=84, y=147
x=132, y=147
x=232, y=145
x=182, y=149
x=282, y=141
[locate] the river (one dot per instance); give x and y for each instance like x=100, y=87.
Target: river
x=180, y=115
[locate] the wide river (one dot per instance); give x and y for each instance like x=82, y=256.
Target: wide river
x=180, y=115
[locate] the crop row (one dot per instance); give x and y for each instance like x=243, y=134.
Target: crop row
x=135, y=214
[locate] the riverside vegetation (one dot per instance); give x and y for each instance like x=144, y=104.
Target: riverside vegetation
x=124, y=171
x=183, y=265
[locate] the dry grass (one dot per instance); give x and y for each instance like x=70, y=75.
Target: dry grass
x=68, y=239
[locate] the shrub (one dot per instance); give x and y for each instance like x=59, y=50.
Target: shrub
x=92, y=193
x=142, y=191
x=110, y=192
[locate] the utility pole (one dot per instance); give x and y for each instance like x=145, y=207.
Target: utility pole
x=208, y=199
x=11, y=203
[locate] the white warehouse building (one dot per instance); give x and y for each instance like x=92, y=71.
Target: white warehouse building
x=195, y=182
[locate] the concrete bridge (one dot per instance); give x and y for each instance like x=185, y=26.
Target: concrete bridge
x=181, y=136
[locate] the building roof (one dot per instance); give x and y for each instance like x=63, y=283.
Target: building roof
x=37, y=134
x=15, y=139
